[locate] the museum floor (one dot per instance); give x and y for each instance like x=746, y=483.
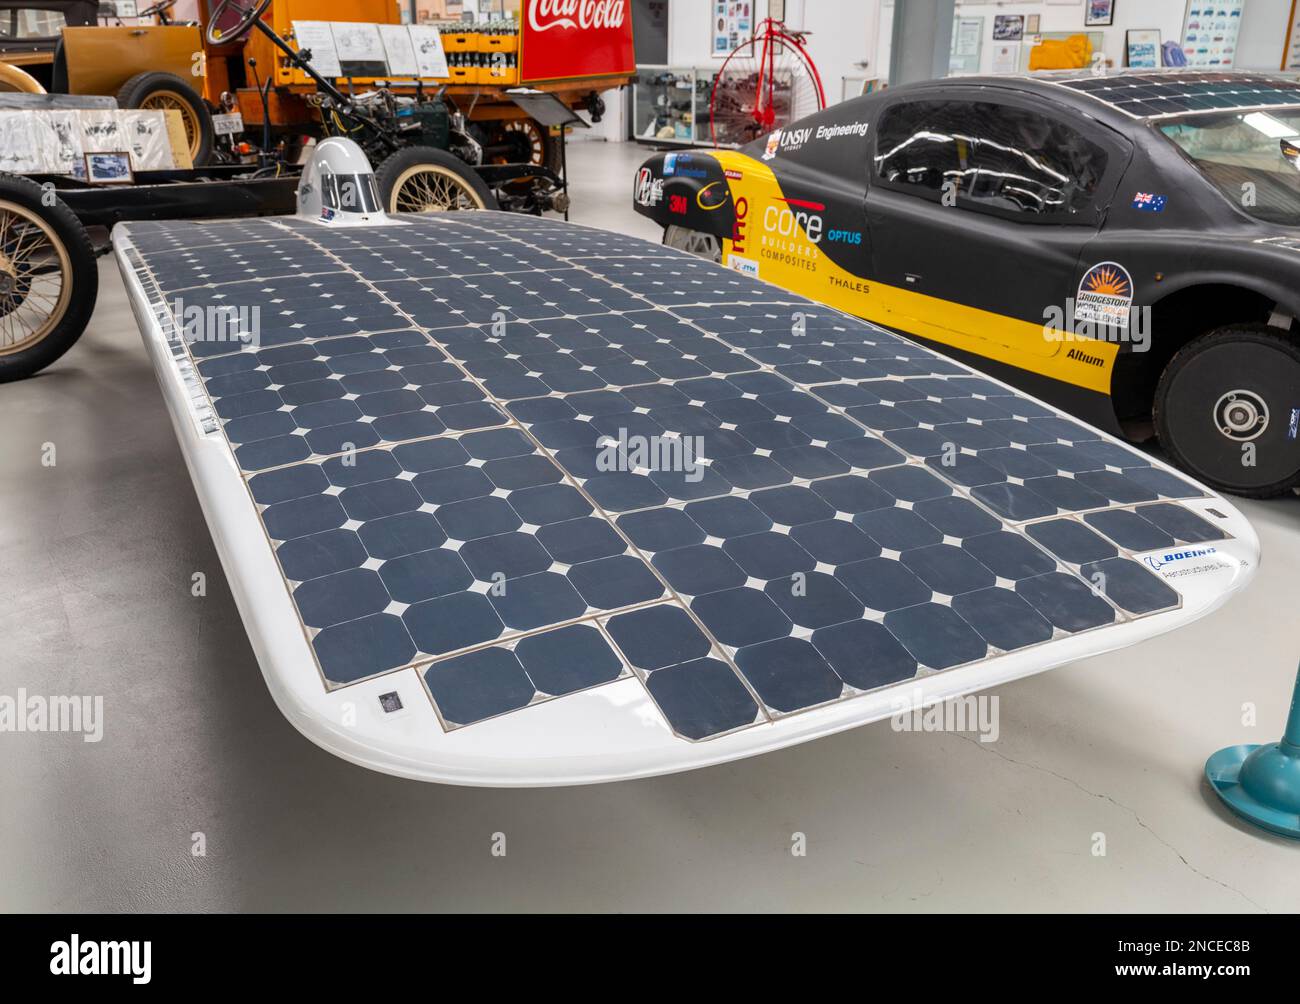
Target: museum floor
x=96, y=559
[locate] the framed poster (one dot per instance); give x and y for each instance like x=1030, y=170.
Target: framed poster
x=1100, y=13
x=1210, y=32
x=1008, y=27
x=731, y=25
x=967, y=44
x=1142, y=48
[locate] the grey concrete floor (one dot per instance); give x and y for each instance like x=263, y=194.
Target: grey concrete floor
x=96, y=558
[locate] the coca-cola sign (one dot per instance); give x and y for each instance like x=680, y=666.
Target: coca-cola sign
x=543, y=15
x=576, y=38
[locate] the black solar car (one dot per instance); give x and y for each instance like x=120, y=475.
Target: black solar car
x=1126, y=246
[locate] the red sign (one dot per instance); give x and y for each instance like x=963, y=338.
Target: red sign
x=566, y=39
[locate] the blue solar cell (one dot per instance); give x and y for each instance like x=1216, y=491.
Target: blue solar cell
x=740, y=617
x=1002, y=618
x=479, y=685
x=1071, y=541
x=1130, y=586
x=936, y=635
x=702, y=698
x=1181, y=523
x=789, y=674
x=1065, y=601
x=1128, y=529
x=452, y=622
x=570, y=659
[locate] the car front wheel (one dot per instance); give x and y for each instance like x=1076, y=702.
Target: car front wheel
x=1227, y=410
x=685, y=239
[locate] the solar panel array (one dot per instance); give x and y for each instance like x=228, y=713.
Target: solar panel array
x=439, y=426
x=1157, y=95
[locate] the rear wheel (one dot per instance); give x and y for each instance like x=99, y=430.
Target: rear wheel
x=694, y=241
x=168, y=92
x=48, y=278
x=421, y=179
x=1227, y=410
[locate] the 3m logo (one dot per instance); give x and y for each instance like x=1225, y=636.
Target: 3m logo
x=678, y=204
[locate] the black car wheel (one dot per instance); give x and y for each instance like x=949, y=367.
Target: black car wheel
x=1227, y=410
x=48, y=278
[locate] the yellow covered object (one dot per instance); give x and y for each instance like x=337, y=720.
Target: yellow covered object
x=1071, y=53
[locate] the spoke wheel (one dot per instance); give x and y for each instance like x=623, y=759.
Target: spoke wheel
x=48, y=278
x=34, y=286
x=424, y=180
x=694, y=242
x=765, y=84
x=163, y=101
x=431, y=189
x=1227, y=410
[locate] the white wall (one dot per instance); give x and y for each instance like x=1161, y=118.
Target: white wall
x=1263, y=26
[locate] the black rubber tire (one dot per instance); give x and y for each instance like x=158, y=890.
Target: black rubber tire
x=142, y=85
x=388, y=173
x=84, y=278
x=1261, y=360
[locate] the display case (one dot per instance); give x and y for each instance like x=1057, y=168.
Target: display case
x=670, y=105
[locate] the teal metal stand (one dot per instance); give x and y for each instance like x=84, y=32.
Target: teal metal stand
x=1262, y=783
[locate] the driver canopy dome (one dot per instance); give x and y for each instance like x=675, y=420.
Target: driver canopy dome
x=338, y=186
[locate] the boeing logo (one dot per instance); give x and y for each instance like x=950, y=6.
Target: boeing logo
x=1173, y=556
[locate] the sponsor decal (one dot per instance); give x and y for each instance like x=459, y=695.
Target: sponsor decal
x=678, y=205
x=1083, y=357
x=327, y=214
x=1293, y=428
x=788, y=222
x=679, y=165
x=734, y=175
x=712, y=196
x=649, y=190
x=773, y=144
x=836, y=131
x=844, y=236
x=1105, y=295
x=740, y=226
x=746, y=266
x=1149, y=202
x=850, y=285
x=1186, y=563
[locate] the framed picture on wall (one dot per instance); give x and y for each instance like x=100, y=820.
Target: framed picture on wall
x=1142, y=48
x=1100, y=13
x=1008, y=27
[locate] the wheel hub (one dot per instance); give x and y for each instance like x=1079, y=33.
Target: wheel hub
x=1241, y=415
